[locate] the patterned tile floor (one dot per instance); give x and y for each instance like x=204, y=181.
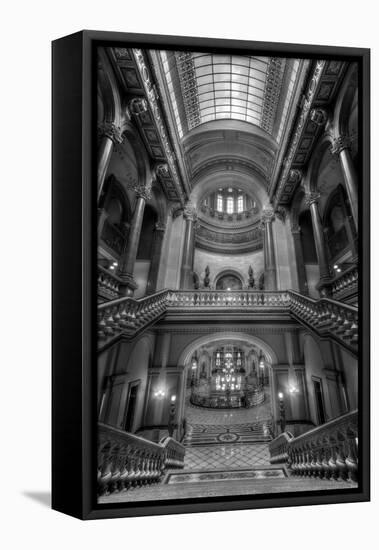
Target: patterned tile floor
x=209, y=434
x=230, y=457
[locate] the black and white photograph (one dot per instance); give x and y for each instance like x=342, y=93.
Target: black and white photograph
x=228, y=274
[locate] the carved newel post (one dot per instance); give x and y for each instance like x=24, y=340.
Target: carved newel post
x=311, y=200
x=109, y=134
x=341, y=146
x=269, y=252
x=186, y=274
x=128, y=259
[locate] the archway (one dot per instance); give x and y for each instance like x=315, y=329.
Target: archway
x=227, y=384
x=228, y=279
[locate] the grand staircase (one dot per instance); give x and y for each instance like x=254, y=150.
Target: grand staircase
x=236, y=459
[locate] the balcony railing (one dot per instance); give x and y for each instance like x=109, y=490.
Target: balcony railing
x=126, y=460
x=108, y=284
x=326, y=317
x=345, y=285
x=327, y=452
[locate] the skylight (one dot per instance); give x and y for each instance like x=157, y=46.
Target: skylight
x=205, y=87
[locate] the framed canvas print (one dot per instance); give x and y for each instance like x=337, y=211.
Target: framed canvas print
x=210, y=275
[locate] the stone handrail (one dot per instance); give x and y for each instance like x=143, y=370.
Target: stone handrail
x=128, y=316
x=126, y=460
x=108, y=284
x=326, y=317
x=328, y=451
x=175, y=452
x=344, y=284
x=227, y=298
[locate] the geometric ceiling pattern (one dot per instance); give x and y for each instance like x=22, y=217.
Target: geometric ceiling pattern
x=205, y=87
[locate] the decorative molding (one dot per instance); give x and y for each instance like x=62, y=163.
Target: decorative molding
x=274, y=81
x=111, y=131
x=311, y=198
x=189, y=211
x=138, y=105
x=318, y=116
x=268, y=214
x=188, y=85
x=281, y=213
x=141, y=189
x=340, y=143
x=320, y=92
x=159, y=226
x=176, y=190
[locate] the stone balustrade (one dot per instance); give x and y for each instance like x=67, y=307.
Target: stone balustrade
x=327, y=452
x=108, y=284
x=228, y=299
x=326, y=317
x=345, y=285
x=175, y=452
x=126, y=460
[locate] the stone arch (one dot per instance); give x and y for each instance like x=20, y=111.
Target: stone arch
x=310, y=179
x=188, y=351
x=108, y=91
x=229, y=271
x=345, y=101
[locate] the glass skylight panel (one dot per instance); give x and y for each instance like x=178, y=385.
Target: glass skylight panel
x=205, y=87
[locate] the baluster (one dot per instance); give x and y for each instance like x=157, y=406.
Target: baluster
x=105, y=468
x=351, y=458
x=340, y=457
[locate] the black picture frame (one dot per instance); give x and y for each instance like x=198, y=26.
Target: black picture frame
x=74, y=281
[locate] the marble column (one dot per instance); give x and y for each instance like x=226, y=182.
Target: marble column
x=341, y=147
x=156, y=258
x=311, y=200
x=269, y=252
x=109, y=135
x=300, y=266
x=186, y=273
x=128, y=258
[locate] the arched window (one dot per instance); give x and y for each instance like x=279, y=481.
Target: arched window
x=229, y=205
x=220, y=205
x=240, y=203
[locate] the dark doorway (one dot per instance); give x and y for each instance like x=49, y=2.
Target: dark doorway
x=319, y=401
x=131, y=406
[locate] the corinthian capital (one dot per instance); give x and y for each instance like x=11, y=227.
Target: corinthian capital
x=189, y=211
x=141, y=189
x=311, y=198
x=162, y=170
x=340, y=143
x=160, y=226
x=111, y=131
x=268, y=214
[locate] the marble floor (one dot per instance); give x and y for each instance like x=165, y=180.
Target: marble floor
x=221, y=457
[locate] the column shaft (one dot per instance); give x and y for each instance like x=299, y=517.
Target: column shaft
x=300, y=266
x=127, y=261
x=103, y=159
x=350, y=177
x=271, y=283
x=319, y=242
x=155, y=259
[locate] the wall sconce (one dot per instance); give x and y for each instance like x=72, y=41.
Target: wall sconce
x=173, y=398
x=159, y=394
x=293, y=389
x=280, y=395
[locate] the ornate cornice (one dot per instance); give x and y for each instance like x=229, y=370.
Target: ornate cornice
x=152, y=100
x=111, y=131
x=313, y=115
